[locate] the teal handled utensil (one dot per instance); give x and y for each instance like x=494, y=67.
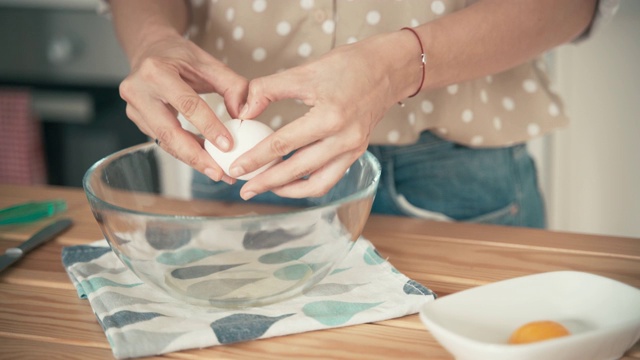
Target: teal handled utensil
x=31, y=211
x=49, y=232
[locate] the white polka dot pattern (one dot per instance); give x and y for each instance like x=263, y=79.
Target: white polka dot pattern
x=304, y=50
x=238, y=33
x=427, y=106
x=230, y=14
x=477, y=140
x=530, y=86
x=283, y=28
x=276, y=122
x=373, y=18
x=393, y=136
x=259, y=6
x=411, y=118
x=497, y=123
x=438, y=7
x=508, y=103
x=306, y=4
x=467, y=116
x=484, y=97
x=328, y=26
x=259, y=54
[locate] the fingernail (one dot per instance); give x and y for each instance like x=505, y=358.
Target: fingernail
x=248, y=195
x=222, y=142
x=229, y=180
x=244, y=111
x=237, y=171
x=212, y=174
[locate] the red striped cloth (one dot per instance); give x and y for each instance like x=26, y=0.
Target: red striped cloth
x=21, y=154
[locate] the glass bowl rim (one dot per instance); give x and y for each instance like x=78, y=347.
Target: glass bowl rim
x=367, y=156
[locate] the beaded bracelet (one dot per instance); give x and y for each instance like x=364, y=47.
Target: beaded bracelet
x=423, y=59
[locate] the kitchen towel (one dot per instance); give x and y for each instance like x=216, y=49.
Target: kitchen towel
x=140, y=320
x=21, y=154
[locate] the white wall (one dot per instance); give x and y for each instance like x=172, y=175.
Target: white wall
x=591, y=172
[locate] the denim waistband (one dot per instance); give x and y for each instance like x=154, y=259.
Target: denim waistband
x=429, y=141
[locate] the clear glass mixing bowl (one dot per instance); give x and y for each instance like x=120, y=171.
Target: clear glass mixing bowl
x=199, y=242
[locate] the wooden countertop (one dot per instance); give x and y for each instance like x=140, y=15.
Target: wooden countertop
x=42, y=316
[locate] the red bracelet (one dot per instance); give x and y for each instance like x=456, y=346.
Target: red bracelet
x=423, y=59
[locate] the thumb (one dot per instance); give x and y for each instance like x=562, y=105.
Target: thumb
x=268, y=89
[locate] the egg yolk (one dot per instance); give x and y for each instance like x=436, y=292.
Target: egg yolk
x=538, y=331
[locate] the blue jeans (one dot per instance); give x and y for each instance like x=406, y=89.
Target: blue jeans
x=440, y=180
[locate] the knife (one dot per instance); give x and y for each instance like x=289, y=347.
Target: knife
x=12, y=255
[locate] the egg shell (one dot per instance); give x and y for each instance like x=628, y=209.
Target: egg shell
x=246, y=134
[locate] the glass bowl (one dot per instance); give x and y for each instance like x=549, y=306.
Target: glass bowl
x=199, y=242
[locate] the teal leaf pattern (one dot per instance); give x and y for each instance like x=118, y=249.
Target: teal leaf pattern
x=185, y=256
x=82, y=253
x=97, y=283
x=126, y=317
x=92, y=268
x=210, y=289
x=111, y=297
x=243, y=327
x=299, y=271
x=198, y=271
x=412, y=287
x=334, y=313
x=267, y=239
x=329, y=289
x=163, y=236
x=339, y=270
x=293, y=272
x=286, y=255
x=372, y=256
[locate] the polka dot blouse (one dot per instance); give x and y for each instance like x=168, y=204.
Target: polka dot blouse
x=260, y=37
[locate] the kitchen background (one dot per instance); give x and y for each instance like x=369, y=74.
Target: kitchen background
x=60, y=65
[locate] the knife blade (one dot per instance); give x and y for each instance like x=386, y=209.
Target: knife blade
x=49, y=232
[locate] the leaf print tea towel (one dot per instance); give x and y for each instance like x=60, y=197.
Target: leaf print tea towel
x=139, y=320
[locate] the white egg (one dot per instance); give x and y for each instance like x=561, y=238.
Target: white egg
x=246, y=134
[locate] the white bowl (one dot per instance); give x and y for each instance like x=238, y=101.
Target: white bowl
x=602, y=315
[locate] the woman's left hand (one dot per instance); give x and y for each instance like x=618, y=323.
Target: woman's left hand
x=348, y=91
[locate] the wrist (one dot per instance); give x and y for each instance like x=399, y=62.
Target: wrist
x=400, y=55
x=423, y=59
x=150, y=35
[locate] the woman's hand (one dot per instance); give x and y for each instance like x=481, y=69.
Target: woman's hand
x=348, y=90
x=166, y=77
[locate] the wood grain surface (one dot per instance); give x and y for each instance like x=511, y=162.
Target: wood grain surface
x=41, y=315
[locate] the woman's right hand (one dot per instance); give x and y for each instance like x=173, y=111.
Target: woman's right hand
x=167, y=74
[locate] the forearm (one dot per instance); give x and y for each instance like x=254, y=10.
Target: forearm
x=494, y=35
x=142, y=22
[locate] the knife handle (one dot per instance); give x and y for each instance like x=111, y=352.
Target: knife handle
x=48, y=232
x=31, y=211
